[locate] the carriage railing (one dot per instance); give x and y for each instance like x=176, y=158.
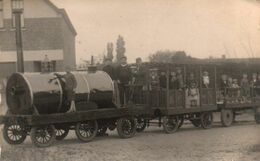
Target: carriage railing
x=238, y=95
x=178, y=98
x=138, y=94
x=207, y=96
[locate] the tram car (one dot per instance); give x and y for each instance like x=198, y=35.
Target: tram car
x=37, y=106
x=173, y=93
x=238, y=90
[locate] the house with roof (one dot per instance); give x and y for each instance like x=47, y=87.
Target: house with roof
x=47, y=32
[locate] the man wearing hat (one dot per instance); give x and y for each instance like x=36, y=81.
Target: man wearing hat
x=124, y=77
x=109, y=69
x=138, y=80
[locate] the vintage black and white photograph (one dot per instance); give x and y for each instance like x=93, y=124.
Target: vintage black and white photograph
x=137, y=80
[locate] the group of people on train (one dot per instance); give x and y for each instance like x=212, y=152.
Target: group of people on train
x=123, y=76
x=176, y=80
x=244, y=88
x=191, y=87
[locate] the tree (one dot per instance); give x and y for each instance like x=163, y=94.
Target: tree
x=110, y=49
x=168, y=56
x=120, y=48
x=162, y=56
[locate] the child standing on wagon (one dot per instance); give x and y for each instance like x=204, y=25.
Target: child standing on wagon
x=245, y=87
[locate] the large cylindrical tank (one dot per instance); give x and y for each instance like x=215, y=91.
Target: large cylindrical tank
x=45, y=93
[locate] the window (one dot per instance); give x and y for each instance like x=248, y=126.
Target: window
x=18, y=4
x=1, y=14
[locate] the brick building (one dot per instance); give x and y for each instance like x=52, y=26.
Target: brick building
x=46, y=31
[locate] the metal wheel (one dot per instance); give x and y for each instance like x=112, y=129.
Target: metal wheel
x=141, y=124
x=43, y=136
x=86, y=131
x=61, y=133
x=196, y=122
x=126, y=127
x=102, y=130
x=112, y=127
x=181, y=120
x=14, y=133
x=170, y=124
x=206, y=119
x=227, y=117
x=257, y=118
x=257, y=115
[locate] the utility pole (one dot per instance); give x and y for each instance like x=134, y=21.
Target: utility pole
x=18, y=37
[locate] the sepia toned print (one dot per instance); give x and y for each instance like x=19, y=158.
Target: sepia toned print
x=134, y=80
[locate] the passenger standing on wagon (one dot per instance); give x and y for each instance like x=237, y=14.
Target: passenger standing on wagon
x=109, y=69
x=245, y=85
x=139, y=79
x=139, y=75
x=124, y=77
x=224, y=84
x=180, y=79
x=253, y=82
x=257, y=86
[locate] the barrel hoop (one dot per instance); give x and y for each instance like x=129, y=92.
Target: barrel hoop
x=30, y=87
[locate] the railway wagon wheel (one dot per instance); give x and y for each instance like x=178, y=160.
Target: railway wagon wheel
x=181, y=120
x=196, y=122
x=61, y=133
x=257, y=115
x=170, y=124
x=227, y=117
x=257, y=118
x=87, y=130
x=43, y=136
x=141, y=124
x=101, y=130
x=206, y=119
x=14, y=133
x=126, y=127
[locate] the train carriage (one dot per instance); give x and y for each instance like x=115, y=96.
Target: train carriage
x=234, y=100
x=165, y=100
x=170, y=101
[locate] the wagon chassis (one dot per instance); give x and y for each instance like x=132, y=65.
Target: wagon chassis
x=44, y=129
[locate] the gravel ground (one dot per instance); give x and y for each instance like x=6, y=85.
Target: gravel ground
x=241, y=142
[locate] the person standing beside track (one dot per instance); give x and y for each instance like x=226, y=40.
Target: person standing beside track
x=69, y=87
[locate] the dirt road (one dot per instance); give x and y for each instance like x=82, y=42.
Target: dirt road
x=241, y=142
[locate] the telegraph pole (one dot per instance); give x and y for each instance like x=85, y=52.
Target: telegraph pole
x=18, y=37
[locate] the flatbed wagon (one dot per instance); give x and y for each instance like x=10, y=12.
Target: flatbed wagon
x=43, y=129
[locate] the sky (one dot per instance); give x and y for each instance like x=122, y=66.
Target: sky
x=201, y=28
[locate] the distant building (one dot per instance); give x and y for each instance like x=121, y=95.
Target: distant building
x=46, y=31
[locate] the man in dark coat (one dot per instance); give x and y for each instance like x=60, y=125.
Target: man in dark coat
x=139, y=80
x=139, y=74
x=163, y=80
x=70, y=86
x=124, y=77
x=109, y=69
